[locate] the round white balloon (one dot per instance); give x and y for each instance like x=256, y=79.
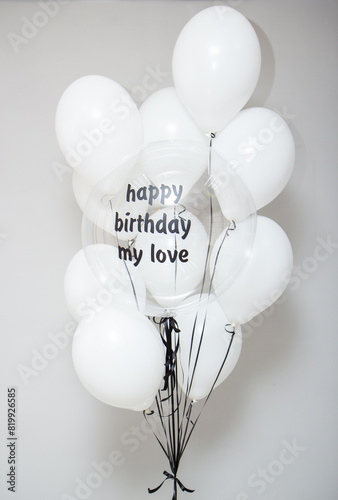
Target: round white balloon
x=119, y=358
x=97, y=127
x=208, y=350
x=164, y=118
x=264, y=276
x=86, y=295
x=216, y=66
x=258, y=145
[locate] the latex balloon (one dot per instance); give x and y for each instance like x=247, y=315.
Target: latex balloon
x=264, y=276
x=97, y=126
x=174, y=253
x=165, y=118
x=207, y=353
x=216, y=65
x=86, y=295
x=259, y=146
x=119, y=358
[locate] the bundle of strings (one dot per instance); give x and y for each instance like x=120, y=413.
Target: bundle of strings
x=173, y=409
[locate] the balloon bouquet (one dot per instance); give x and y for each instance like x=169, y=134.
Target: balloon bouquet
x=175, y=258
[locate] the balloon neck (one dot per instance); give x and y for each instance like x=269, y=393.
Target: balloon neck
x=211, y=136
x=230, y=328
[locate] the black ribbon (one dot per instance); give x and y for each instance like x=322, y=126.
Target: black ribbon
x=176, y=481
x=170, y=325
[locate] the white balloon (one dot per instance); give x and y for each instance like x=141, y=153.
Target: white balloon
x=216, y=66
x=206, y=350
x=86, y=295
x=119, y=358
x=97, y=127
x=259, y=146
x=174, y=255
x=164, y=118
x=264, y=276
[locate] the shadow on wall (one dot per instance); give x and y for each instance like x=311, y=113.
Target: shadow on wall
x=267, y=74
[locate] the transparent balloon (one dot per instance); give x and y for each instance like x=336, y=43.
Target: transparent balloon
x=177, y=212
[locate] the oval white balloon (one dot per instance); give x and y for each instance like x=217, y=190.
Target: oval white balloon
x=216, y=66
x=207, y=350
x=86, y=295
x=263, y=278
x=97, y=126
x=259, y=146
x=119, y=358
x=164, y=118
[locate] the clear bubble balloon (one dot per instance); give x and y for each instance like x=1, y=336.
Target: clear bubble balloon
x=178, y=208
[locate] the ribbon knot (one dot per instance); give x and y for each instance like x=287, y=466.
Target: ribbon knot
x=176, y=481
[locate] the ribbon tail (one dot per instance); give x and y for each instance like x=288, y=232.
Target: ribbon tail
x=153, y=490
x=168, y=476
x=183, y=488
